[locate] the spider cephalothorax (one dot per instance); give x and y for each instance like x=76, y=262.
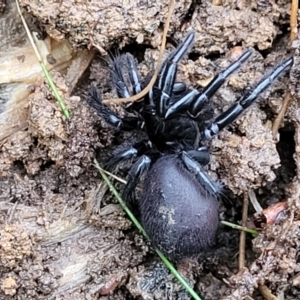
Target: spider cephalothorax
x=178, y=206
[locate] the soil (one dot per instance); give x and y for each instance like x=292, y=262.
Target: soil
x=62, y=234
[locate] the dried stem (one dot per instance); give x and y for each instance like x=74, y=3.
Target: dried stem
x=288, y=97
x=280, y=116
x=254, y=201
x=243, y=233
x=293, y=20
x=266, y=293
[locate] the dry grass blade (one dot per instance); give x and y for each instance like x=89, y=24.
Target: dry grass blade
x=266, y=293
x=242, y=246
x=293, y=20
x=281, y=114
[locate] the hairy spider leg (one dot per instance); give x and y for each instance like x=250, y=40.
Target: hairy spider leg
x=140, y=168
x=164, y=84
x=95, y=100
x=201, y=155
x=216, y=83
x=179, y=88
x=228, y=116
x=213, y=188
x=118, y=78
x=121, y=155
x=195, y=101
x=122, y=64
x=133, y=73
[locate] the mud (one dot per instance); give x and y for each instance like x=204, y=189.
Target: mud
x=62, y=235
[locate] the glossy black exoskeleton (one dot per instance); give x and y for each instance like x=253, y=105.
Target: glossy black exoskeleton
x=178, y=206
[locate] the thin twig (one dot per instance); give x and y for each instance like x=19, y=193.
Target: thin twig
x=266, y=293
x=288, y=97
x=239, y=227
x=281, y=114
x=161, y=53
x=115, y=177
x=242, y=246
x=11, y=213
x=293, y=20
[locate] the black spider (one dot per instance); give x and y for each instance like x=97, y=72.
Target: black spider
x=178, y=206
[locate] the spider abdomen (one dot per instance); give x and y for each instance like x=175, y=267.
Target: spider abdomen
x=179, y=216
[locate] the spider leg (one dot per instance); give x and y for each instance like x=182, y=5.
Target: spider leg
x=119, y=156
x=216, y=83
x=212, y=187
x=95, y=100
x=164, y=85
x=122, y=155
x=137, y=170
x=195, y=100
x=182, y=103
x=228, y=116
x=120, y=65
x=201, y=155
x=118, y=78
x=179, y=88
x=133, y=73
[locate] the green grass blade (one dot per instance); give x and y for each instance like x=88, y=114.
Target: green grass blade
x=235, y=226
x=46, y=73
